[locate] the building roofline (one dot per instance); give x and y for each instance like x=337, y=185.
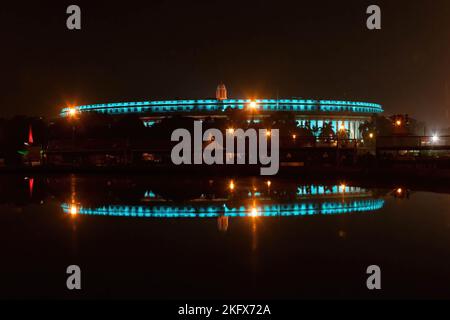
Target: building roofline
x=268, y=105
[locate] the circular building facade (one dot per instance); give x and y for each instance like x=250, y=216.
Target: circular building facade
x=307, y=112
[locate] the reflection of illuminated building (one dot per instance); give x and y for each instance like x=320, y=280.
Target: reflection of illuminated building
x=242, y=200
x=400, y=193
x=320, y=190
x=214, y=211
x=222, y=223
x=73, y=208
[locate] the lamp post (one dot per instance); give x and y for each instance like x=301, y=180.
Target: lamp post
x=72, y=114
x=253, y=106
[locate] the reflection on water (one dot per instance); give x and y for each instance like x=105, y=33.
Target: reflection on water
x=240, y=199
x=279, y=238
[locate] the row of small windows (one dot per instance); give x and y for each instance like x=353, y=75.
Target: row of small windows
x=215, y=107
x=232, y=102
x=263, y=107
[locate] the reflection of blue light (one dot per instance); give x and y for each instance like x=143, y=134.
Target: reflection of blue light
x=216, y=105
x=149, y=123
x=149, y=194
x=268, y=210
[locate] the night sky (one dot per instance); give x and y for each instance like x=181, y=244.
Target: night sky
x=132, y=51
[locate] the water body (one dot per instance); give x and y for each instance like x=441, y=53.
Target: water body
x=197, y=237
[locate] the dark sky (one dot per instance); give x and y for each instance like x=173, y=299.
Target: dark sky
x=130, y=50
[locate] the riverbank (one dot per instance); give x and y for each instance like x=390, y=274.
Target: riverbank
x=357, y=173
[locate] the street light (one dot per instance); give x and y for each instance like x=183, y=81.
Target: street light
x=73, y=210
x=72, y=112
x=253, y=105
x=435, y=138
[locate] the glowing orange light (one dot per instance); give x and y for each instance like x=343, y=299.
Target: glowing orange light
x=73, y=210
x=230, y=130
x=398, y=123
x=253, y=105
x=294, y=136
x=399, y=190
x=343, y=186
x=72, y=112
x=254, y=212
x=231, y=185
x=268, y=133
x=342, y=127
x=269, y=183
x=371, y=135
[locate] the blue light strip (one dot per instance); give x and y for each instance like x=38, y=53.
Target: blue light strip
x=270, y=210
x=189, y=106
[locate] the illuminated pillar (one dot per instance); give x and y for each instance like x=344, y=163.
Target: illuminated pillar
x=221, y=92
x=350, y=125
x=320, y=126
